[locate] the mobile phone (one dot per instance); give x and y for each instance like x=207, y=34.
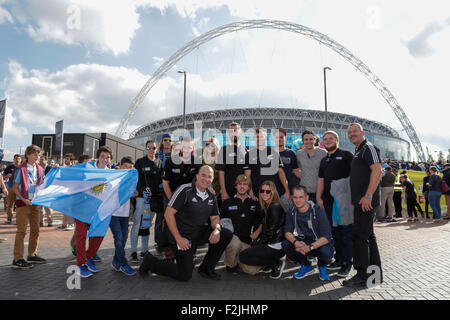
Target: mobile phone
x=190, y=243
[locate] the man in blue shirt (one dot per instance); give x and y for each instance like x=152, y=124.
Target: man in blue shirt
x=308, y=234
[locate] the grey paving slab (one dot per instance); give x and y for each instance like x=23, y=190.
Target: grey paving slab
x=415, y=261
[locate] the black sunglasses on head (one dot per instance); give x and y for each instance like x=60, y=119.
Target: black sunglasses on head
x=266, y=191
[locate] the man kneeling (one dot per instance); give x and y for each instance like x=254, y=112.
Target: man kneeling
x=308, y=234
x=242, y=210
x=190, y=207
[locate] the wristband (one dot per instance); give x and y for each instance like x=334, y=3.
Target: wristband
x=293, y=243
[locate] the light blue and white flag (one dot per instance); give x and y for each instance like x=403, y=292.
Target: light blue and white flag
x=86, y=193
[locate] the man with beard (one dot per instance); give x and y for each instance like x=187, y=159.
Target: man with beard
x=243, y=212
x=335, y=166
x=230, y=163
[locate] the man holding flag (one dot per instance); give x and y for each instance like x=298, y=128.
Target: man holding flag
x=89, y=194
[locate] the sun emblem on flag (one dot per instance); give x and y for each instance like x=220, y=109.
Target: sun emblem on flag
x=99, y=188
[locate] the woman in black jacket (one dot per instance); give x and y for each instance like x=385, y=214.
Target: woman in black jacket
x=266, y=251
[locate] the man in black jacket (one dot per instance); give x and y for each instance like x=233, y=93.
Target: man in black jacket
x=150, y=172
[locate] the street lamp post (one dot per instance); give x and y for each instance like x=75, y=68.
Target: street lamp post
x=184, y=99
x=303, y=113
x=325, y=93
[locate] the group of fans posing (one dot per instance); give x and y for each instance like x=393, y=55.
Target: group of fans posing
x=260, y=207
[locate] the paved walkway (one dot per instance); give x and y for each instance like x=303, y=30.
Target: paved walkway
x=415, y=257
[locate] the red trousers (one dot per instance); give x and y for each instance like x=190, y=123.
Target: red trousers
x=94, y=244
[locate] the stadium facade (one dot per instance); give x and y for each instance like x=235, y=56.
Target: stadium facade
x=295, y=121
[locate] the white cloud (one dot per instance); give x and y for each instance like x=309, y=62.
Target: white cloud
x=5, y=16
x=89, y=97
x=249, y=9
x=108, y=25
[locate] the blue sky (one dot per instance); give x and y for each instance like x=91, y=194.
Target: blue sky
x=84, y=61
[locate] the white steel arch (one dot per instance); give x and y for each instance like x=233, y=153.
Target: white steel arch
x=285, y=26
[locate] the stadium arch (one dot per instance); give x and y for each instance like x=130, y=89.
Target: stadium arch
x=284, y=26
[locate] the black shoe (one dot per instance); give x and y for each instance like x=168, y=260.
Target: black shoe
x=278, y=270
x=143, y=270
x=345, y=270
x=232, y=270
x=355, y=281
x=8, y=222
x=144, y=253
x=36, y=259
x=146, y=264
x=334, y=266
x=209, y=274
x=21, y=264
x=134, y=258
x=96, y=258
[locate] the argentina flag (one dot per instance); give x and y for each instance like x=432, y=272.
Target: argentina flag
x=86, y=193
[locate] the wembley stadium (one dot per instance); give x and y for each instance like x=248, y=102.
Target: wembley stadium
x=295, y=121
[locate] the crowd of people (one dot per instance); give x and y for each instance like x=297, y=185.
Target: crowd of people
x=259, y=206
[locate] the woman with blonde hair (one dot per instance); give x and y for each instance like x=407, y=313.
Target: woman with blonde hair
x=266, y=250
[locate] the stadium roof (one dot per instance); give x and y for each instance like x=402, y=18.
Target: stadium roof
x=288, y=118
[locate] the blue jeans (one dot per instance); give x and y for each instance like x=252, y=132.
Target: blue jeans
x=435, y=202
x=324, y=254
x=136, y=224
x=119, y=228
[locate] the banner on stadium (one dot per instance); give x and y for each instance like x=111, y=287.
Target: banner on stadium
x=59, y=135
x=2, y=116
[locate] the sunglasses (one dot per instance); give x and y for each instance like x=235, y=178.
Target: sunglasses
x=207, y=144
x=167, y=140
x=266, y=191
x=151, y=148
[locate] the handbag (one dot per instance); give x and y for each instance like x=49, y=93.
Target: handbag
x=156, y=203
x=445, y=188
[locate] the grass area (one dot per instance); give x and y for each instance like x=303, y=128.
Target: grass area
x=417, y=178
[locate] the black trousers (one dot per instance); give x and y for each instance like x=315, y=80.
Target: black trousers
x=411, y=205
x=365, y=248
x=182, y=269
x=398, y=204
x=427, y=203
x=261, y=255
x=342, y=236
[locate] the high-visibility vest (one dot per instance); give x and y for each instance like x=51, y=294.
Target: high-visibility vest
x=398, y=186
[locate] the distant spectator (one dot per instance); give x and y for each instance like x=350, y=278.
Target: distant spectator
x=411, y=198
x=446, y=178
x=434, y=183
x=8, y=174
x=426, y=191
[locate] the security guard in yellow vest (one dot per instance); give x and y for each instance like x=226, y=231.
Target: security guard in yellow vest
x=397, y=194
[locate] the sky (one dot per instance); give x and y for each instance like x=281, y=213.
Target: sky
x=84, y=61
